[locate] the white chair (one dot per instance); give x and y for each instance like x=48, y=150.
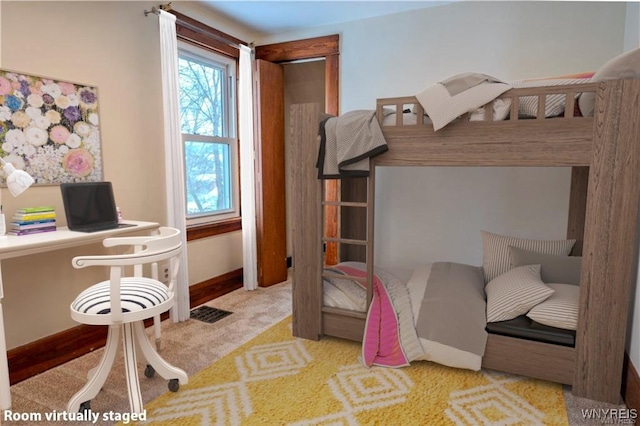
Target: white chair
x=123, y=303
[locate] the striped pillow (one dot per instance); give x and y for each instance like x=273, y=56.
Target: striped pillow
x=496, y=259
x=560, y=310
x=515, y=292
x=554, y=105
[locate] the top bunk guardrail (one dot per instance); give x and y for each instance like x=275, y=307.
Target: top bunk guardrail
x=531, y=103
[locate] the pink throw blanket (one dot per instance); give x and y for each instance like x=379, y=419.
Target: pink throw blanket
x=381, y=342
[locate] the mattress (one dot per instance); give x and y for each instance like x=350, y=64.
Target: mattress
x=525, y=328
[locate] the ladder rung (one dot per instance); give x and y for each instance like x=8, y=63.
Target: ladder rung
x=343, y=277
x=345, y=241
x=344, y=312
x=344, y=204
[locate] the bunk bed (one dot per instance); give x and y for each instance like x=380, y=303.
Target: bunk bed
x=603, y=151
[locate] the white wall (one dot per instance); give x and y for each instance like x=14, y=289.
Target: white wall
x=632, y=26
x=114, y=46
x=436, y=214
x=429, y=214
x=404, y=53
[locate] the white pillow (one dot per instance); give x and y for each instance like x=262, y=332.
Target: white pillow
x=560, y=310
x=496, y=259
x=445, y=101
x=515, y=292
x=622, y=67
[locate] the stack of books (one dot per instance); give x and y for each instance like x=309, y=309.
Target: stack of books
x=33, y=220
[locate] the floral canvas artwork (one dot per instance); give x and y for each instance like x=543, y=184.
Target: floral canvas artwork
x=50, y=128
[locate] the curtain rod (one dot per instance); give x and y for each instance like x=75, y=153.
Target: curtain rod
x=156, y=11
x=153, y=10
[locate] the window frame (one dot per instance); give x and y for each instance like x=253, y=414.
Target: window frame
x=206, y=225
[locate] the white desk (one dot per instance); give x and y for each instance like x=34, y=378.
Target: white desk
x=14, y=246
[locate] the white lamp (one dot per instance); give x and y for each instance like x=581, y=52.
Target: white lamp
x=17, y=180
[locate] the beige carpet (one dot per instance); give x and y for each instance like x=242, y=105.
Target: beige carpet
x=192, y=345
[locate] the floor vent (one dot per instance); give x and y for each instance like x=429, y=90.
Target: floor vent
x=208, y=314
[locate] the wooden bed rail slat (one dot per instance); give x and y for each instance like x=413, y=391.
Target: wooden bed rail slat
x=554, y=142
x=515, y=104
x=570, y=105
x=514, y=94
x=488, y=111
x=542, y=104
x=527, y=357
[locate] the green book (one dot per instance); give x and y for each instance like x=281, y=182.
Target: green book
x=40, y=209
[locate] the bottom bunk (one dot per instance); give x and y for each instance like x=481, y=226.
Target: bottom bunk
x=516, y=355
x=445, y=305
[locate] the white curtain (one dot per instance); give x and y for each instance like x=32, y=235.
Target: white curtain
x=247, y=178
x=176, y=207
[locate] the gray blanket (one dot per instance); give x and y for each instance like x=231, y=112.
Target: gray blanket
x=347, y=143
x=453, y=310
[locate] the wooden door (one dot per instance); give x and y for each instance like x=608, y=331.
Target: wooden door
x=270, y=174
x=326, y=47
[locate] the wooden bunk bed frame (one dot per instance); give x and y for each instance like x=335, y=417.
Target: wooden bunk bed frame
x=604, y=153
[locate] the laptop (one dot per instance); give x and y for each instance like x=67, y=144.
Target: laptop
x=90, y=206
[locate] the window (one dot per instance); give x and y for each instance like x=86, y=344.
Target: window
x=208, y=126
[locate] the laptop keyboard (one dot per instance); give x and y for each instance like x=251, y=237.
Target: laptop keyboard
x=96, y=228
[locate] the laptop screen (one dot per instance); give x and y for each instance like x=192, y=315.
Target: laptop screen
x=89, y=205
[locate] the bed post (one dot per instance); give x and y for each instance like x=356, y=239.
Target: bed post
x=577, y=207
x=609, y=242
x=306, y=222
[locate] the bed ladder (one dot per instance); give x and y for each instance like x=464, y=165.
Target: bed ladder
x=365, y=240
x=310, y=318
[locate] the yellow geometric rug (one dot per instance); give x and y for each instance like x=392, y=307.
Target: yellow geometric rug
x=276, y=379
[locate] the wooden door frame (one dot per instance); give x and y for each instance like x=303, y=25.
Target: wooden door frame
x=327, y=48
x=270, y=163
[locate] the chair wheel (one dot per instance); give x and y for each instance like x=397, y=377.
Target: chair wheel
x=85, y=406
x=174, y=385
x=149, y=371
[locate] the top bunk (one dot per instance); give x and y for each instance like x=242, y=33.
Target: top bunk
x=551, y=131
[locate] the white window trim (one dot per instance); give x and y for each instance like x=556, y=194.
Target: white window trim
x=195, y=53
x=234, y=211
